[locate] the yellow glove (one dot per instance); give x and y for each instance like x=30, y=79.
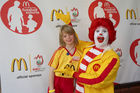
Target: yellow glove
x=69, y=70
x=65, y=18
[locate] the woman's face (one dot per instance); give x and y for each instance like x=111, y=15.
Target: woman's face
x=67, y=38
x=101, y=36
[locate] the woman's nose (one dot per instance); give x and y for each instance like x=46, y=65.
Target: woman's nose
x=68, y=36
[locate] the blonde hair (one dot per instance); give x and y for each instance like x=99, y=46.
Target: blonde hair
x=69, y=30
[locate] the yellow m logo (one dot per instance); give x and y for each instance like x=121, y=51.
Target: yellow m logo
x=55, y=11
x=26, y=3
x=131, y=13
x=96, y=67
x=15, y=60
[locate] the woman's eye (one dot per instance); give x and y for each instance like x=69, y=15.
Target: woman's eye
x=64, y=36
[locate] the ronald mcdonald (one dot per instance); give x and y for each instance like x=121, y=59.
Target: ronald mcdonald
x=99, y=63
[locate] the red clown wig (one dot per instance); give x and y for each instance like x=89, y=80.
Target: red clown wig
x=105, y=23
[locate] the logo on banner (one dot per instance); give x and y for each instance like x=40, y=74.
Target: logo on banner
x=35, y=63
x=53, y=13
x=39, y=61
x=104, y=9
x=18, y=62
x=131, y=13
x=135, y=51
x=119, y=52
x=26, y=4
x=21, y=16
x=74, y=13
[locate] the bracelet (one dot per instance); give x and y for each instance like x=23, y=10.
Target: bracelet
x=50, y=91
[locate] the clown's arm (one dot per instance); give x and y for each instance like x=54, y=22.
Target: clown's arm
x=104, y=76
x=67, y=20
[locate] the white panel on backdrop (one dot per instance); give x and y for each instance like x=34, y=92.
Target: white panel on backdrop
x=38, y=39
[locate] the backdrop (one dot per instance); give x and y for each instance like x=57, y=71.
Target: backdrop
x=29, y=36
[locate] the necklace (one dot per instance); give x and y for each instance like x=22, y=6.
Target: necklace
x=70, y=50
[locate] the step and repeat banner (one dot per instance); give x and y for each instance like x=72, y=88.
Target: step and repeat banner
x=29, y=33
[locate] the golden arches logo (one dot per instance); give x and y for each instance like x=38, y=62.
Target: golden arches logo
x=96, y=67
x=55, y=11
x=26, y=3
x=15, y=60
x=131, y=13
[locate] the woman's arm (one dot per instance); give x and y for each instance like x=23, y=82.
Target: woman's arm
x=51, y=78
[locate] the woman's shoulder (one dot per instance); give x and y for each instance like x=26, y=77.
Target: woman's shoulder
x=59, y=49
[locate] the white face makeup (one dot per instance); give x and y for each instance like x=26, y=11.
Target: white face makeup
x=101, y=37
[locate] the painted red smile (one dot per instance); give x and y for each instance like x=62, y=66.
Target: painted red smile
x=100, y=39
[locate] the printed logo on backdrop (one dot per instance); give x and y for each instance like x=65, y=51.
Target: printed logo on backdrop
x=21, y=16
x=135, y=51
x=33, y=64
x=104, y=9
x=38, y=62
x=18, y=62
x=74, y=13
x=133, y=14
x=119, y=52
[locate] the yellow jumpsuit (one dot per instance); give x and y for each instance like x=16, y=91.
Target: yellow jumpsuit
x=100, y=73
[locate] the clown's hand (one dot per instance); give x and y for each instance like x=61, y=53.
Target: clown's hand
x=65, y=18
x=69, y=71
